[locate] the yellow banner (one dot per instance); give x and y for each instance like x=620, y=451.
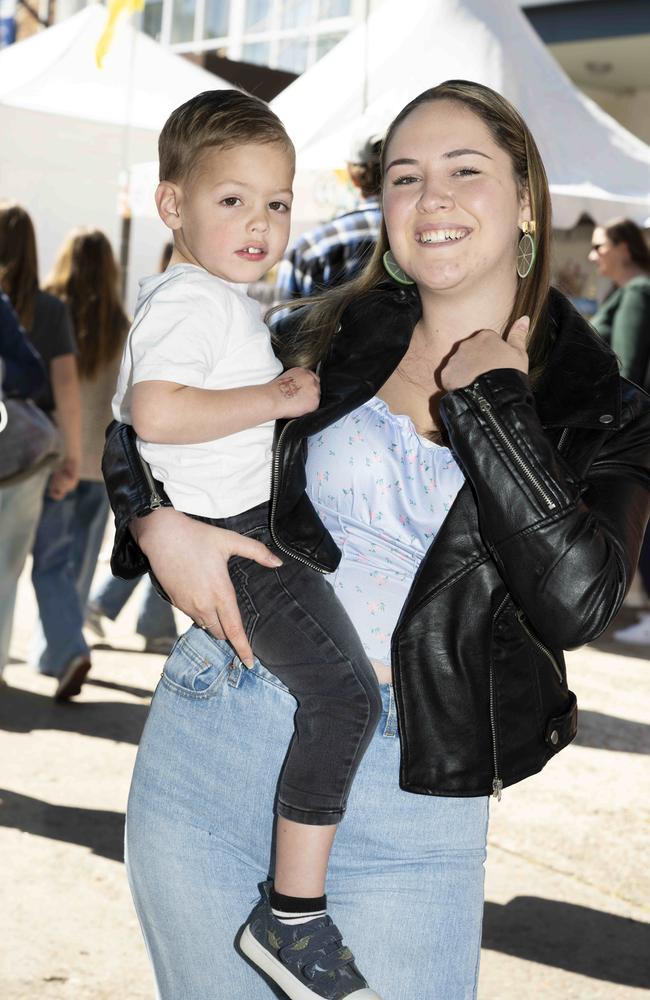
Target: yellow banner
x=115, y=9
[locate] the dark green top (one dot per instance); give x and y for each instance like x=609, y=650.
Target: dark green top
x=623, y=321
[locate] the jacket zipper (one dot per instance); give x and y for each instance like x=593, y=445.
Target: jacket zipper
x=497, y=781
x=275, y=473
x=155, y=500
x=521, y=618
x=486, y=407
x=563, y=436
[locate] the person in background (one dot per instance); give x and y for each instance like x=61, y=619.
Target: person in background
x=336, y=251
x=23, y=376
x=86, y=277
x=155, y=621
x=47, y=324
x=621, y=254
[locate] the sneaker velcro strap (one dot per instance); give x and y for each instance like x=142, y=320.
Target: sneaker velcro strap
x=323, y=952
x=329, y=963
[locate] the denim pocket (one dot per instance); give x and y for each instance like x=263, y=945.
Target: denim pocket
x=198, y=664
x=242, y=573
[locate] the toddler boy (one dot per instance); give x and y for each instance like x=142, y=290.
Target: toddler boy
x=202, y=388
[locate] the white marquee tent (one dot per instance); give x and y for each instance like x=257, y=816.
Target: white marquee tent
x=594, y=165
x=69, y=129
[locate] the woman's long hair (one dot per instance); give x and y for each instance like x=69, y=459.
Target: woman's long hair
x=626, y=231
x=85, y=275
x=510, y=132
x=18, y=261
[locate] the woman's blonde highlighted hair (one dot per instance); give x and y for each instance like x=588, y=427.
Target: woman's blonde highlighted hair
x=510, y=132
x=86, y=276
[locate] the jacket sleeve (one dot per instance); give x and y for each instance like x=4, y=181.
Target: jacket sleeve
x=566, y=548
x=132, y=492
x=630, y=339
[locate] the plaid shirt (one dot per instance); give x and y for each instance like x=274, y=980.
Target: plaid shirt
x=329, y=255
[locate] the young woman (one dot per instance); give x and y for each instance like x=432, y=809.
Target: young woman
x=620, y=253
x=46, y=321
x=489, y=503
x=69, y=536
x=22, y=375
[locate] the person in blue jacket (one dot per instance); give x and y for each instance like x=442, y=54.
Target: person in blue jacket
x=23, y=376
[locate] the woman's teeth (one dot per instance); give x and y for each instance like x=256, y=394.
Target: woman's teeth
x=253, y=250
x=441, y=235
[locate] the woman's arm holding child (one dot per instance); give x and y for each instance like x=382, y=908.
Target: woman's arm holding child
x=170, y=413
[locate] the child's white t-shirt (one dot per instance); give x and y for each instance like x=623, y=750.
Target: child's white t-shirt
x=198, y=330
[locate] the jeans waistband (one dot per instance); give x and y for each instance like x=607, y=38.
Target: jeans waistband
x=246, y=521
x=387, y=724
x=220, y=653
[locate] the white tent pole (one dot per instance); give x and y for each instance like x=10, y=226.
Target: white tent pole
x=366, y=53
x=125, y=178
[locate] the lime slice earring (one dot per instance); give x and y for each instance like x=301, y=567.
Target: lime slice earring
x=395, y=271
x=527, y=250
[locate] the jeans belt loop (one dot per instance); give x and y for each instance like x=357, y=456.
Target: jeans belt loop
x=390, y=729
x=235, y=668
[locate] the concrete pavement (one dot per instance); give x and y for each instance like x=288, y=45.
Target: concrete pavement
x=568, y=877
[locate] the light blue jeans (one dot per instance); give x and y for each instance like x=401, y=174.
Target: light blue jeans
x=20, y=508
x=405, y=883
x=66, y=548
x=155, y=615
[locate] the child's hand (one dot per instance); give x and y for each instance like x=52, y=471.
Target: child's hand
x=297, y=391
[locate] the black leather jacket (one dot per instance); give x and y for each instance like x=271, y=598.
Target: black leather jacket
x=535, y=555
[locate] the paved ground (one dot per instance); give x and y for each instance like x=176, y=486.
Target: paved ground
x=568, y=884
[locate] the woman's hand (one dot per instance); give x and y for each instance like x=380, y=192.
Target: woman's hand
x=484, y=351
x=64, y=478
x=190, y=560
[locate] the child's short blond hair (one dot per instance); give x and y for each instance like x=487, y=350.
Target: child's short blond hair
x=215, y=119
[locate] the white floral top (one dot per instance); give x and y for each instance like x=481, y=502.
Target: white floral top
x=382, y=491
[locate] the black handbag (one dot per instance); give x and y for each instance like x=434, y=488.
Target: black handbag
x=28, y=440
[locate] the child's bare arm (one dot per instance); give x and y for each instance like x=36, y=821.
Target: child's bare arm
x=169, y=413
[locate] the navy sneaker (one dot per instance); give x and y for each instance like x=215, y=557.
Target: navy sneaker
x=306, y=960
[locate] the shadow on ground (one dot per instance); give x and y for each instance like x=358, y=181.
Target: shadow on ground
x=608, y=732
x=575, y=938
x=24, y=711
x=99, y=830
x=137, y=692
x=606, y=644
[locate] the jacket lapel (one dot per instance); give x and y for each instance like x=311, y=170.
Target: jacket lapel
x=580, y=383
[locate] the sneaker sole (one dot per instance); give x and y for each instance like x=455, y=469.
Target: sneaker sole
x=71, y=684
x=285, y=979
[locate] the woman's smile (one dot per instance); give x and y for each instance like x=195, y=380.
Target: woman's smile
x=437, y=236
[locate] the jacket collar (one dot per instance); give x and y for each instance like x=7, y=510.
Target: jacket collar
x=580, y=385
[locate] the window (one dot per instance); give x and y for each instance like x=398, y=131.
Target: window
x=183, y=20
x=257, y=16
x=256, y=52
x=292, y=54
x=333, y=8
x=326, y=42
x=298, y=13
x=152, y=18
x=217, y=13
